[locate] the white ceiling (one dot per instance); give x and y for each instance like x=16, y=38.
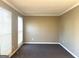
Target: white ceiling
x=42, y=7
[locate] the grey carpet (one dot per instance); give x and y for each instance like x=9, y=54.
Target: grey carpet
x=42, y=51
x=3, y=56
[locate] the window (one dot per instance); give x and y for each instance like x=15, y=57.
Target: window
x=5, y=32
x=20, y=30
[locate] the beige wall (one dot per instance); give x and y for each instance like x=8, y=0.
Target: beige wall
x=69, y=35
x=41, y=29
x=46, y=29
x=14, y=24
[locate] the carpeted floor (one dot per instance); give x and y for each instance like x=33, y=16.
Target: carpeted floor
x=3, y=56
x=42, y=51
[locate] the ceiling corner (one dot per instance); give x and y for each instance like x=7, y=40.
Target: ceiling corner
x=5, y=1
x=69, y=9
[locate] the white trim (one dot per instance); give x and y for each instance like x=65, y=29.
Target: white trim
x=37, y=14
x=8, y=3
x=41, y=43
x=69, y=9
x=15, y=50
x=44, y=43
x=32, y=43
x=5, y=1
x=68, y=50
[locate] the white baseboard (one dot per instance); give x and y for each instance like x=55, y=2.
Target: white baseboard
x=68, y=50
x=31, y=43
x=15, y=50
x=41, y=43
x=44, y=43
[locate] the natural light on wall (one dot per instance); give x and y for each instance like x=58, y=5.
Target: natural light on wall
x=20, y=30
x=5, y=32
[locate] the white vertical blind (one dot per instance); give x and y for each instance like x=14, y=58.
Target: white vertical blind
x=20, y=30
x=5, y=32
